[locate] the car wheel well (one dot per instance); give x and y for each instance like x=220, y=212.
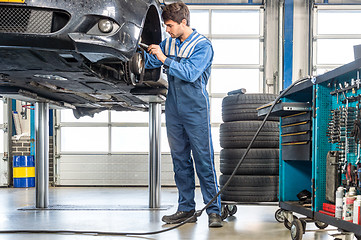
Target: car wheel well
x=152, y=33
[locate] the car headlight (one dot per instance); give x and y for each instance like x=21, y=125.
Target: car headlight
x=105, y=25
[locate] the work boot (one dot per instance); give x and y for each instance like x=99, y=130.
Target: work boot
x=179, y=217
x=214, y=220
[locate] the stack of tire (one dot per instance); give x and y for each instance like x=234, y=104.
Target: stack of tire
x=256, y=179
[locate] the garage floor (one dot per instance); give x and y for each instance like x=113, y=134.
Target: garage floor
x=126, y=210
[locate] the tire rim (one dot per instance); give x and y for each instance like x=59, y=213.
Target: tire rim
x=293, y=231
x=280, y=216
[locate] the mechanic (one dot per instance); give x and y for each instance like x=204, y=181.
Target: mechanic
x=187, y=58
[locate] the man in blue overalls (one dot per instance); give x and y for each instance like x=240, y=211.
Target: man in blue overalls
x=187, y=57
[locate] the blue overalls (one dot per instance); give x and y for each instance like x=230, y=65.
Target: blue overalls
x=188, y=66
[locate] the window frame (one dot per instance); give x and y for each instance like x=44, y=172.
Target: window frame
x=316, y=36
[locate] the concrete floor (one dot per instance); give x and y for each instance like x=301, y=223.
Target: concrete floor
x=125, y=210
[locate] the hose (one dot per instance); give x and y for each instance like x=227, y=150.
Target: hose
x=196, y=214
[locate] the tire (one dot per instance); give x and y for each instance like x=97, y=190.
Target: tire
x=321, y=225
x=296, y=230
x=287, y=224
x=253, y=98
x=244, y=114
x=257, y=161
x=250, y=193
x=239, y=134
x=250, y=188
x=224, y=212
x=268, y=188
x=250, y=127
x=235, y=142
x=244, y=107
x=249, y=180
x=232, y=209
x=279, y=216
x=249, y=169
x=235, y=154
x=247, y=199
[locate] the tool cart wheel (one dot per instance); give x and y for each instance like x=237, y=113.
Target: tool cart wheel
x=232, y=209
x=279, y=216
x=297, y=230
x=224, y=212
x=304, y=223
x=287, y=224
x=321, y=225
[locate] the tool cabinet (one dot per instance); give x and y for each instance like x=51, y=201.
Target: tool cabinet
x=314, y=153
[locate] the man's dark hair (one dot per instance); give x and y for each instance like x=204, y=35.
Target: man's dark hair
x=176, y=12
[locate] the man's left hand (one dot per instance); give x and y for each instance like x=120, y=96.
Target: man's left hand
x=155, y=50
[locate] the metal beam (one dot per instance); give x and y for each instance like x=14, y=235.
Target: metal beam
x=42, y=154
x=155, y=110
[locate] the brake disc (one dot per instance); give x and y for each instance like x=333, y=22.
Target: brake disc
x=135, y=69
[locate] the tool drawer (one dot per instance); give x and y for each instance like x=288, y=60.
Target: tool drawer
x=296, y=136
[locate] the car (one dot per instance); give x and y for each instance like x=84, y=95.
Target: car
x=80, y=54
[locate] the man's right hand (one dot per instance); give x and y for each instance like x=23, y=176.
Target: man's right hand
x=157, y=51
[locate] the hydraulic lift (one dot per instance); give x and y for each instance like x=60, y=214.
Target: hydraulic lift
x=42, y=152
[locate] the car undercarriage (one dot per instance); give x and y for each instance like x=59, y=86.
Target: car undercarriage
x=73, y=54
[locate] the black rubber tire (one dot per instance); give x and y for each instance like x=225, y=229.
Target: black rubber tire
x=251, y=98
x=260, y=153
x=224, y=212
x=257, y=162
x=296, y=230
x=272, y=143
x=244, y=106
x=250, y=193
x=250, y=169
x=232, y=209
x=267, y=188
x=239, y=134
x=244, y=114
x=321, y=225
x=250, y=127
x=247, y=199
x=253, y=188
x=287, y=224
x=249, y=180
x=304, y=224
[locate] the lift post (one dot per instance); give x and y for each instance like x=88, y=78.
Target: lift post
x=42, y=154
x=155, y=110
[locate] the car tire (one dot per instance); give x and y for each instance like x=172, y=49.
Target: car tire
x=240, y=133
x=257, y=161
x=250, y=188
x=249, y=180
x=249, y=98
x=241, y=107
x=260, y=153
x=264, y=198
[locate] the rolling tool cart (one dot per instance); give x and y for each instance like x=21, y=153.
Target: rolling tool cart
x=320, y=132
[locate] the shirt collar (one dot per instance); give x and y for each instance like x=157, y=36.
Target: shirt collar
x=189, y=37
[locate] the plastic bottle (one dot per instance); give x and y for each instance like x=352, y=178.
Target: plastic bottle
x=356, y=210
x=349, y=199
x=339, y=200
